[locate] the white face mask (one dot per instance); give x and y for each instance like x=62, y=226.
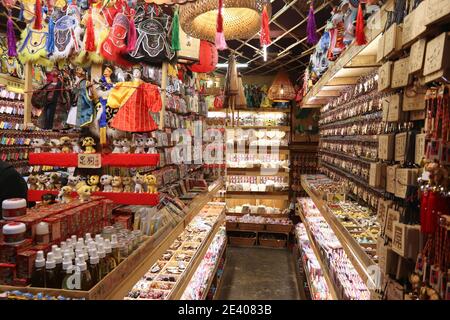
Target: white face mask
x=137, y=74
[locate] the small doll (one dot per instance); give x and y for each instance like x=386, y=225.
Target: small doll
x=126, y=145
x=150, y=144
x=32, y=181
x=127, y=184
x=37, y=144
x=64, y=194
x=117, y=146
x=93, y=182
x=139, y=181
x=42, y=182
x=151, y=183
x=73, y=180
x=88, y=143
x=65, y=144
x=117, y=184
x=84, y=193
x=54, y=143
x=53, y=181
x=105, y=181
x=75, y=146
x=139, y=143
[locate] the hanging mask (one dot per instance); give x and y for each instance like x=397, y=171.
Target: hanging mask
x=32, y=46
x=67, y=37
x=115, y=44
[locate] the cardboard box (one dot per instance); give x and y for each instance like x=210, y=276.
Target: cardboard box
x=25, y=264
x=54, y=225
x=7, y=273
x=8, y=252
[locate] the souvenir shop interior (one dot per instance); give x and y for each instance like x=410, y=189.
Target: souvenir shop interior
x=224, y=149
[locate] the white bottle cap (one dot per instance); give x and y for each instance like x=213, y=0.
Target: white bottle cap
x=42, y=228
x=100, y=251
x=93, y=256
x=67, y=260
x=54, y=248
x=58, y=256
x=40, y=261
x=114, y=242
x=74, y=239
x=81, y=240
x=81, y=264
x=97, y=237
x=78, y=252
x=70, y=268
x=50, y=264
x=107, y=246
x=63, y=246
x=87, y=236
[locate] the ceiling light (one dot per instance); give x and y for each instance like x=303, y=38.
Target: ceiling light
x=238, y=65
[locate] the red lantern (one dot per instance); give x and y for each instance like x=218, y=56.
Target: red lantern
x=208, y=58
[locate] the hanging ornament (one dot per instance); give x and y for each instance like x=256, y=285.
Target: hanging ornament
x=176, y=32
x=89, y=45
x=11, y=37
x=264, y=38
x=132, y=35
x=359, y=32
x=38, y=17
x=220, y=36
x=311, y=27
x=208, y=58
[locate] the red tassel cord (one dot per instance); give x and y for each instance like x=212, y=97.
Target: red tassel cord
x=38, y=16
x=132, y=34
x=359, y=33
x=264, y=37
x=220, y=36
x=424, y=221
x=90, y=34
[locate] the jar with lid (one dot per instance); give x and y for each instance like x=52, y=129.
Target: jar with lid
x=138, y=235
x=123, y=249
x=14, y=208
x=14, y=232
x=107, y=232
x=42, y=233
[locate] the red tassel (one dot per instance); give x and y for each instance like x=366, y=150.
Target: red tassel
x=359, y=33
x=38, y=17
x=132, y=34
x=90, y=34
x=264, y=38
x=220, y=36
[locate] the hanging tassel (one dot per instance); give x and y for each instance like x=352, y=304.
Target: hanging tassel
x=311, y=27
x=359, y=32
x=176, y=32
x=90, y=34
x=50, y=44
x=38, y=17
x=220, y=36
x=264, y=38
x=132, y=34
x=11, y=37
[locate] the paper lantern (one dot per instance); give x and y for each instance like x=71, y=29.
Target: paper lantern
x=208, y=58
x=241, y=18
x=281, y=88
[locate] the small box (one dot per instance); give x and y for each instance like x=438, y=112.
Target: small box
x=420, y=148
x=8, y=252
x=30, y=222
x=417, y=56
x=7, y=273
x=385, y=76
x=392, y=40
x=377, y=175
x=45, y=247
x=390, y=178
x=400, y=147
x=386, y=147
x=437, y=53
x=125, y=221
x=404, y=178
x=393, y=216
x=436, y=10
x=25, y=264
x=54, y=225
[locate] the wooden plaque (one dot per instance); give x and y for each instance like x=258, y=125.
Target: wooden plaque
x=417, y=55
x=400, y=73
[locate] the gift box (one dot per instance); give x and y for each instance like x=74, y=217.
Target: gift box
x=8, y=252
x=385, y=76
x=414, y=24
x=400, y=147
x=420, y=148
x=392, y=108
x=390, y=178
x=25, y=264
x=392, y=216
x=7, y=273
x=393, y=40
x=377, y=175
x=54, y=225
x=45, y=247
x=30, y=222
x=436, y=10
x=437, y=53
x=414, y=98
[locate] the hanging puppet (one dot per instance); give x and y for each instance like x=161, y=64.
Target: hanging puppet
x=82, y=112
x=67, y=33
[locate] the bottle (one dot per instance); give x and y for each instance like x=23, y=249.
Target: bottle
x=111, y=262
x=66, y=283
x=63, y=246
x=102, y=261
x=87, y=237
x=51, y=278
x=94, y=267
x=58, y=269
x=115, y=248
x=38, y=276
x=85, y=275
x=66, y=264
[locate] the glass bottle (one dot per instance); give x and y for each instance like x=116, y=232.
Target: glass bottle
x=102, y=261
x=58, y=268
x=110, y=261
x=51, y=278
x=85, y=275
x=38, y=275
x=94, y=267
x=115, y=248
x=65, y=272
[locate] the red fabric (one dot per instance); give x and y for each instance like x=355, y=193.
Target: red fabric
x=424, y=223
x=134, y=115
x=38, y=17
x=115, y=44
x=219, y=26
x=90, y=35
x=265, y=31
x=54, y=159
x=113, y=159
x=359, y=33
x=208, y=58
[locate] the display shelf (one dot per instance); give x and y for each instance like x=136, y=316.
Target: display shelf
x=280, y=128
x=268, y=149
x=252, y=194
x=258, y=231
x=214, y=272
x=128, y=198
x=360, y=138
x=355, y=252
x=257, y=172
x=219, y=280
x=269, y=110
x=265, y=215
x=323, y=265
x=113, y=159
x=348, y=156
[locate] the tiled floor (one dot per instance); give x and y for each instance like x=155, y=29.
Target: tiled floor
x=259, y=273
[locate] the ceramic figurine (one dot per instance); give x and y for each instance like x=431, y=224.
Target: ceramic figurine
x=73, y=180
x=151, y=183
x=139, y=181
x=32, y=181
x=93, y=182
x=64, y=194
x=53, y=181
x=84, y=193
x=105, y=181
x=37, y=144
x=117, y=146
x=126, y=145
x=42, y=182
x=55, y=144
x=127, y=184
x=139, y=143
x=117, y=184
x=75, y=146
x=150, y=144
x=65, y=143
x=88, y=143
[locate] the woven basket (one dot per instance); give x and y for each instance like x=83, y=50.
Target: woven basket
x=241, y=18
x=281, y=88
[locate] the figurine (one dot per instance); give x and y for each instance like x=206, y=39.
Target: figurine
x=150, y=144
x=32, y=181
x=53, y=181
x=127, y=184
x=84, y=193
x=151, y=183
x=37, y=143
x=117, y=184
x=47, y=199
x=75, y=146
x=54, y=143
x=73, y=180
x=64, y=194
x=93, y=182
x=117, y=146
x=106, y=181
x=126, y=145
x=139, y=181
x=42, y=182
x=89, y=143
x=65, y=143
x=139, y=143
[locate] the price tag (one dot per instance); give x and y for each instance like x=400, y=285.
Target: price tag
x=89, y=160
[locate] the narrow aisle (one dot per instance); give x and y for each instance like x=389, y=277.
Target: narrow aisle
x=258, y=274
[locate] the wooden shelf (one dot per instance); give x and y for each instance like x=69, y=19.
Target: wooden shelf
x=253, y=194
x=256, y=172
x=280, y=128
x=265, y=215
x=355, y=252
x=261, y=110
x=258, y=231
x=216, y=268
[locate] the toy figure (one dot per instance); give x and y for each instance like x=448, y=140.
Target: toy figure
x=117, y=184
x=54, y=143
x=75, y=146
x=126, y=145
x=47, y=199
x=32, y=181
x=139, y=143
x=150, y=144
x=105, y=181
x=88, y=143
x=42, y=182
x=139, y=181
x=84, y=193
x=127, y=184
x=151, y=183
x=65, y=194
x=65, y=143
x=54, y=181
x=73, y=180
x=117, y=146
x=82, y=112
x=37, y=143
x=93, y=182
